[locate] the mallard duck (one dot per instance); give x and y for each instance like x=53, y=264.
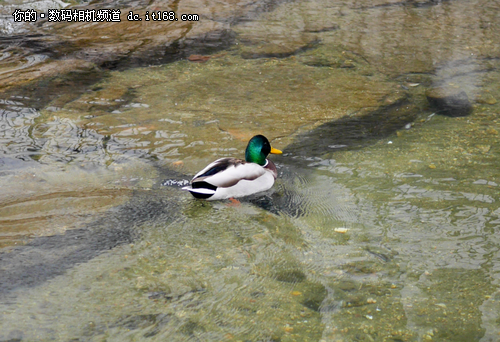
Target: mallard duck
x=232, y=178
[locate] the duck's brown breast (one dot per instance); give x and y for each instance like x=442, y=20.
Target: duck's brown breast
x=272, y=168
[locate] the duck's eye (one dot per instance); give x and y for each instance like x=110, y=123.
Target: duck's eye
x=266, y=148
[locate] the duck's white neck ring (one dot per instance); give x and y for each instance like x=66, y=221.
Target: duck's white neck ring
x=267, y=162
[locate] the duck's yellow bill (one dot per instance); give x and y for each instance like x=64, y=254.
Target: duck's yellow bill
x=275, y=151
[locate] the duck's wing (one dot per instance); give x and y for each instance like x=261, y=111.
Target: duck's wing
x=226, y=172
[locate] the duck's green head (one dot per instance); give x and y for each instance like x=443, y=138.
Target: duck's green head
x=258, y=149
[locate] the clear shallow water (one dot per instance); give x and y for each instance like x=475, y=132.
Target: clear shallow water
x=390, y=238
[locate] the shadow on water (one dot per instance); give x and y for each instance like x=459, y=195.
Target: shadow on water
x=39, y=93
x=347, y=133
x=210, y=43
x=351, y=132
x=47, y=257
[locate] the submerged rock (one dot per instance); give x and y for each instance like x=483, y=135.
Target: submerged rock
x=449, y=102
x=55, y=48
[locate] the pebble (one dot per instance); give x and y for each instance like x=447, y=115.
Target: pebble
x=198, y=58
x=486, y=99
x=484, y=148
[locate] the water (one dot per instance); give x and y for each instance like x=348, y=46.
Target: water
x=383, y=223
